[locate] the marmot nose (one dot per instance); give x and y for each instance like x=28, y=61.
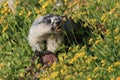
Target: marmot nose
x=58, y=22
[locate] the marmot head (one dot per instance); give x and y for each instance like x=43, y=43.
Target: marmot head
x=55, y=21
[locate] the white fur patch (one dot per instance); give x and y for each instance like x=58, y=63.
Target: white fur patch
x=40, y=32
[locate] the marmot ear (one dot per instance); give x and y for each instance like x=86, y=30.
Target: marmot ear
x=63, y=18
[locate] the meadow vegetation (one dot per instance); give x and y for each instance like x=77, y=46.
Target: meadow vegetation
x=97, y=57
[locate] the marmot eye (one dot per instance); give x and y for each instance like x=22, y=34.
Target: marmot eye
x=48, y=20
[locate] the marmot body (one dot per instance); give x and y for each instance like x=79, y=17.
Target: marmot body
x=50, y=29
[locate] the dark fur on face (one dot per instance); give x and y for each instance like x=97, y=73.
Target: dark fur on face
x=54, y=20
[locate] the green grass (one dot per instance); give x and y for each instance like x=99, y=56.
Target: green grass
x=95, y=58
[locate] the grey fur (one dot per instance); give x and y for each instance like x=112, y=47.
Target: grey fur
x=43, y=29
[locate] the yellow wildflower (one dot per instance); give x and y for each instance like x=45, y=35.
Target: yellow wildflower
x=5, y=28
x=67, y=77
x=70, y=48
x=95, y=57
x=81, y=54
x=54, y=74
x=112, y=78
x=45, y=5
x=38, y=66
x=116, y=64
x=117, y=39
x=65, y=1
x=113, y=10
x=21, y=74
x=116, y=30
x=85, y=25
x=20, y=13
x=92, y=21
x=110, y=69
x=71, y=61
x=89, y=60
x=29, y=13
x=103, y=62
x=65, y=56
x=90, y=40
x=83, y=47
x=2, y=65
x=65, y=67
x=96, y=69
x=117, y=15
x=97, y=41
x=107, y=32
x=40, y=1
x=61, y=59
x=75, y=49
x=54, y=65
x=89, y=78
x=78, y=55
x=104, y=18
x=42, y=11
x=44, y=79
x=98, y=1
x=36, y=10
x=5, y=10
x=1, y=19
